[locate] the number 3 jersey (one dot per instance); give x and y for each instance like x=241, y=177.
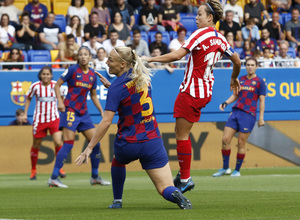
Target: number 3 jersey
x=206, y=46
x=137, y=121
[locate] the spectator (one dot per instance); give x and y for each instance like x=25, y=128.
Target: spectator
x=15, y=55
x=149, y=17
x=137, y=4
x=292, y=28
x=267, y=58
x=238, y=13
x=19, y=118
x=78, y=9
x=100, y=61
x=230, y=38
x=12, y=11
x=176, y=43
x=228, y=25
x=250, y=31
x=275, y=28
x=113, y=41
x=247, y=50
x=118, y=25
x=266, y=41
x=158, y=43
x=37, y=12
x=68, y=50
x=139, y=45
x=281, y=5
x=93, y=44
x=255, y=10
x=157, y=65
x=95, y=27
x=186, y=6
x=50, y=34
x=168, y=15
x=257, y=54
x=103, y=13
x=296, y=4
x=283, y=49
x=75, y=29
x=7, y=33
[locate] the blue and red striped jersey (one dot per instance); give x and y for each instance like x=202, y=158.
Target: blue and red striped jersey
x=137, y=121
x=79, y=84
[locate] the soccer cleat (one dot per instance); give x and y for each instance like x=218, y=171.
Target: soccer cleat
x=62, y=173
x=33, y=175
x=56, y=183
x=222, y=172
x=235, y=173
x=98, y=180
x=181, y=200
x=186, y=186
x=115, y=205
x=177, y=180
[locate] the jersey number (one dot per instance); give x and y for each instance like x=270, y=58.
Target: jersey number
x=143, y=100
x=211, y=59
x=70, y=116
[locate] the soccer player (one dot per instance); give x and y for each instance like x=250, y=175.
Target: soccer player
x=138, y=136
x=243, y=116
x=46, y=116
x=206, y=45
x=81, y=80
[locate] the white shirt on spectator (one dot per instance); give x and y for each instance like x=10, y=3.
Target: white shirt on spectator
x=108, y=46
x=4, y=34
x=82, y=12
x=237, y=12
x=78, y=38
x=93, y=51
x=12, y=11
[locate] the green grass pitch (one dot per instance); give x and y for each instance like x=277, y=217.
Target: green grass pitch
x=261, y=193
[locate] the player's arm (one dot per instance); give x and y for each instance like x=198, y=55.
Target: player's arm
x=261, y=121
x=96, y=101
x=60, y=103
x=27, y=103
x=169, y=57
x=234, y=82
x=101, y=130
x=230, y=100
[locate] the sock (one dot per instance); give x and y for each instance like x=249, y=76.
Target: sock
x=226, y=156
x=61, y=156
x=34, y=157
x=167, y=193
x=95, y=160
x=239, y=161
x=57, y=149
x=184, y=154
x=118, y=175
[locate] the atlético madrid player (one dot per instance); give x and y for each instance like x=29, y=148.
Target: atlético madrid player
x=205, y=46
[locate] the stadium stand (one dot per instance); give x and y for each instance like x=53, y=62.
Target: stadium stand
x=47, y=3
x=20, y=4
x=88, y=4
x=61, y=6
x=60, y=20
x=189, y=22
x=38, y=56
x=54, y=54
x=173, y=34
x=292, y=52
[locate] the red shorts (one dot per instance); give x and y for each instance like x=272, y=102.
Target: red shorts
x=40, y=129
x=188, y=107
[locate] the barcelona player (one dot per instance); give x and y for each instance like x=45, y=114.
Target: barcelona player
x=205, y=46
x=243, y=116
x=138, y=136
x=81, y=80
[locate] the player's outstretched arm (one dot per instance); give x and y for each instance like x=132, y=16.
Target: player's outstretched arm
x=105, y=82
x=169, y=57
x=234, y=82
x=60, y=103
x=230, y=100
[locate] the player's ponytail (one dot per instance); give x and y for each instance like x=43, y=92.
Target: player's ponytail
x=215, y=8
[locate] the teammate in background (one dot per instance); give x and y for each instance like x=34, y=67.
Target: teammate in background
x=206, y=45
x=46, y=116
x=243, y=116
x=138, y=136
x=19, y=118
x=81, y=80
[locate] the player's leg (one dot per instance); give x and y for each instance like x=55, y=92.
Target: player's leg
x=34, y=152
x=58, y=145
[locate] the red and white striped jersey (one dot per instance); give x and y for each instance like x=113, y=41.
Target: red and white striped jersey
x=206, y=46
x=46, y=102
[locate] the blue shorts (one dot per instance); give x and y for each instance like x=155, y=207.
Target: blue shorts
x=73, y=121
x=241, y=121
x=152, y=154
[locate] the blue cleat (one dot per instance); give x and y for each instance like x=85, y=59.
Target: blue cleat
x=222, y=172
x=177, y=180
x=235, y=173
x=186, y=186
x=115, y=205
x=181, y=200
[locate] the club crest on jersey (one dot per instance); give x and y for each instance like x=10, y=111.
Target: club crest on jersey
x=91, y=78
x=70, y=124
x=253, y=83
x=18, y=92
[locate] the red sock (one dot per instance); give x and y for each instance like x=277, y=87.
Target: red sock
x=184, y=154
x=34, y=157
x=57, y=149
x=115, y=163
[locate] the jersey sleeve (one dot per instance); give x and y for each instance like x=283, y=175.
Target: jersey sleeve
x=262, y=88
x=67, y=75
x=113, y=99
x=31, y=91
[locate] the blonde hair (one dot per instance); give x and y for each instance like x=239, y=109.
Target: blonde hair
x=215, y=8
x=141, y=75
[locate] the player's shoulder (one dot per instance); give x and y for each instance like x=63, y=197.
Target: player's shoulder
x=36, y=84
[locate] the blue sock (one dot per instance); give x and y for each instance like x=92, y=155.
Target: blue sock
x=95, y=160
x=118, y=175
x=167, y=193
x=60, y=158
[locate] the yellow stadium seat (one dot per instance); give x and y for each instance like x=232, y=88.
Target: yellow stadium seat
x=242, y=3
x=54, y=54
x=61, y=6
x=47, y=3
x=89, y=4
x=20, y=4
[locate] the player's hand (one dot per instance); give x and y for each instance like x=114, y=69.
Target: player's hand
x=84, y=156
x=145, y=59
x=24, y=119
x=105, y=82
x=61, y=107
x=235, y=86
x=223, y=106
x=261, y=122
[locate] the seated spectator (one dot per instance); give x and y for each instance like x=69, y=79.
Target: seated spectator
x=250, y=31
x=103, y=13
x=100, y=61
x=15, y=55
x=50, y=34
x=139, y=45
x=247, y=50
x=149, y=17
x=238, y=13
x=186, y=6
x=275, y=28
x=255, y=9
x=228, y=25
x=12, y=11
x=68, y=50
x=296, y=4
x=78, y=9
x=37, y=12
x=7, y=33
x=280, y=5
x=176, y=43
x=137, y=4
x=283, y=49
x=168, y=15
x=95, y=27
x=230, y=39
x=292, y=28
x=118, y=25
x=19, y=118
x=113, y=41
x=267, y=58
x=75, y=29
x=158, y=43
x=93, y=44
x=266, y=41
x=156, y=65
